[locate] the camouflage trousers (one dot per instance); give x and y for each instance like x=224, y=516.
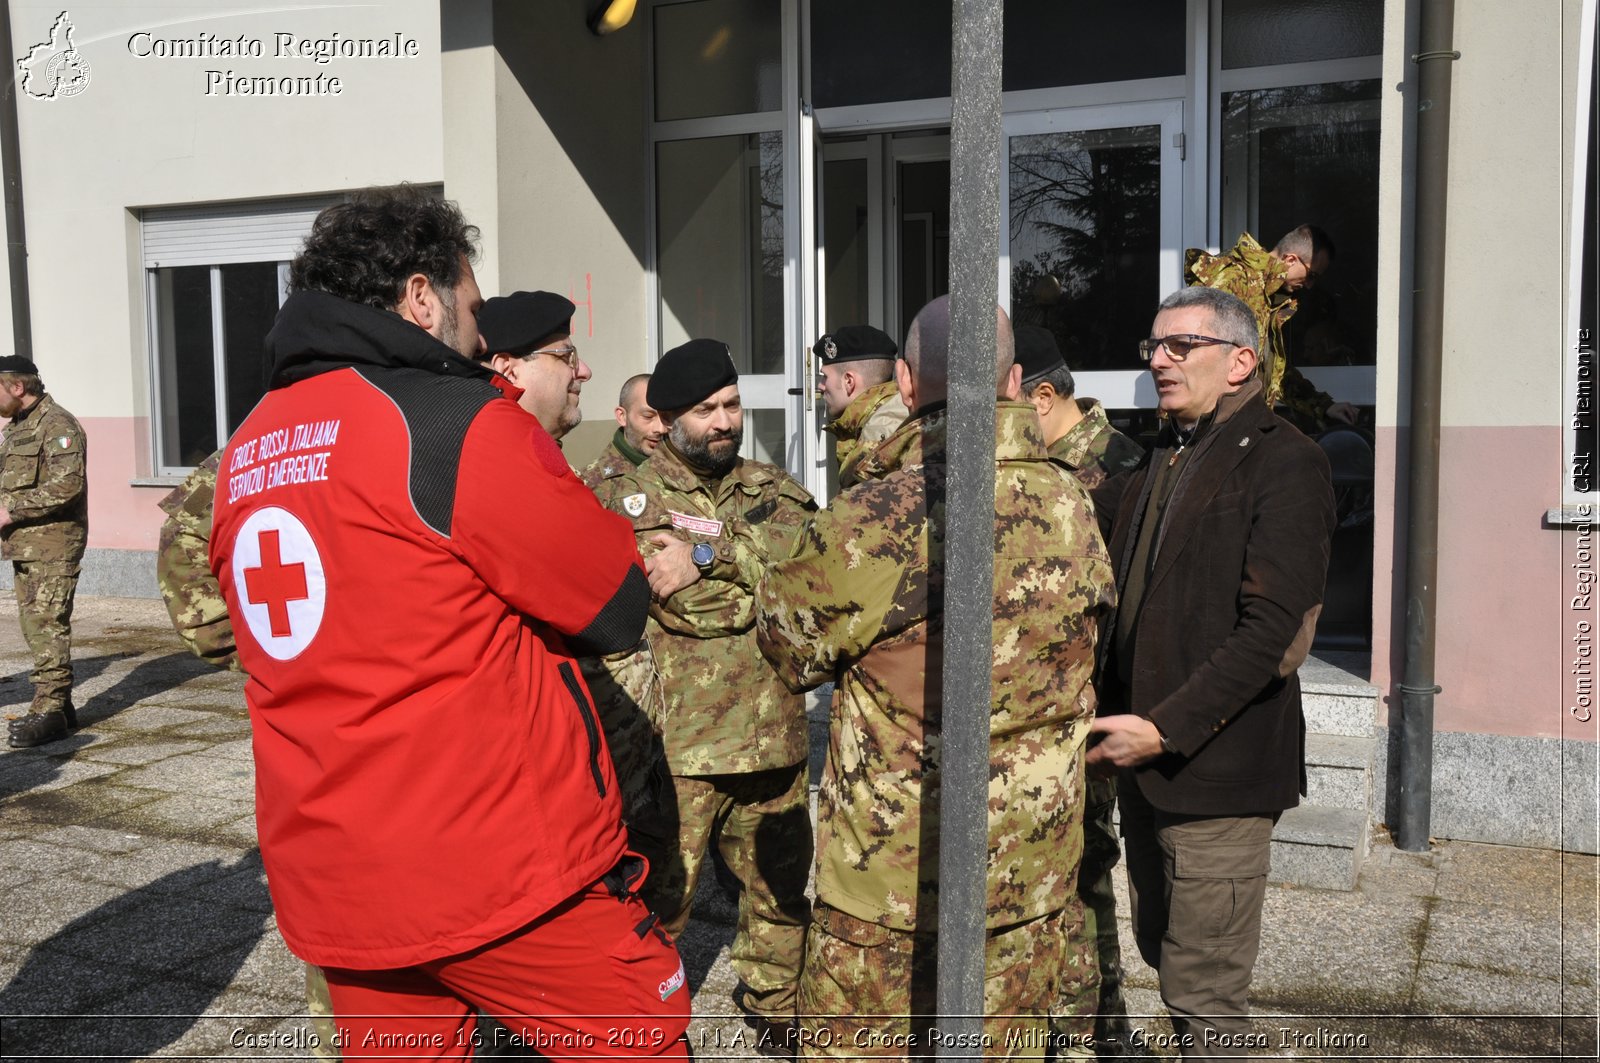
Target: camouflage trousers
x=868, y=990
x=762, y=827
x=45, y=590
x=1091, y=992
x=320, y=1009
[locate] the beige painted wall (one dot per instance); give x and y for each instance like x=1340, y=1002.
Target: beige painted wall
x=571, y=169
x=145, y=133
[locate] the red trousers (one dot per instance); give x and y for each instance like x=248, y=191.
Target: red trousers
x=595, y=977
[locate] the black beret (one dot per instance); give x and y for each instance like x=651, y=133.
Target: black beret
x=15, y=363
x=1037, y=352
x=690, y=372
x=854, y=343
x=519, y=322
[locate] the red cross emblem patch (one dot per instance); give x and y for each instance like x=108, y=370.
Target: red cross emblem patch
x=279, y=582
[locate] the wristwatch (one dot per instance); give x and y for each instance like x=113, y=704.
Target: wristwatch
x=702, y=555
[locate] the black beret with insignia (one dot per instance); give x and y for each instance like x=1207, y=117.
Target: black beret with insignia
x=1037, y=352
x=15, y=363
x=854, y=343
x=522, y=321
x=690, y=372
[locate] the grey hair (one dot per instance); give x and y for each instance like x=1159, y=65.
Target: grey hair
x=1306, y=241
x=1231, y=319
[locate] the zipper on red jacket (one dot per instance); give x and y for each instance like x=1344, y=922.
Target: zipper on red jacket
x=575, y=688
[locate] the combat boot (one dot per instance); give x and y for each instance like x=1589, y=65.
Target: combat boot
x=38, y=728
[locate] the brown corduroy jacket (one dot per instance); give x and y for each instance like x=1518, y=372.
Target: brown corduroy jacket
x=1229, y=610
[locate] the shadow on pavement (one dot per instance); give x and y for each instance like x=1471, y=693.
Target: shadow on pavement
x=132, y=976
x=43, y=764
x=15, y=689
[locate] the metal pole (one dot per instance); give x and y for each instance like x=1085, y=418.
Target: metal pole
x=969, y=537
x=1417, y=688
x=11, y=169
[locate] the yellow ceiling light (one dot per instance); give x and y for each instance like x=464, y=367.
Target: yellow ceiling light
x=608, y=16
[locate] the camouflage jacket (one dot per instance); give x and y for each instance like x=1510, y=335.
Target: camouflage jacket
x=859, y=602
x=1093, y=450
x=1251, y=272
x=725, y=709
x=43, y=485
x=183, y=569
x=612, y=463
x=871, y=417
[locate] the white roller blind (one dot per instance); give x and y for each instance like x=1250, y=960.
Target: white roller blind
x=220, y=234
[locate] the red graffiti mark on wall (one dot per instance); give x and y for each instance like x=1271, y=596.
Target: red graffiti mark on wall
x=587, y=302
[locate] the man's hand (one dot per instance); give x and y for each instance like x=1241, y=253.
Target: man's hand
x=1125, y=742
x=5, y=517
x=670, y=568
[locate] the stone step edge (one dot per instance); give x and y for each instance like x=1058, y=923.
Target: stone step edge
x=1337, y=828
x=1339, y=751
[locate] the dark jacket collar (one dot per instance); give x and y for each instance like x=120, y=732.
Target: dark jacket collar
x=316, y=333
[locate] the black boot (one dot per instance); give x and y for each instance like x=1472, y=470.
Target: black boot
x=37, y=728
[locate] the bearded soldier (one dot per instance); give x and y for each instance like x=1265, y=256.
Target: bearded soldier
x=709, y=523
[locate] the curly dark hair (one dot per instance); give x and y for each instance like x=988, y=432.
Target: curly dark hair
x=364, y=250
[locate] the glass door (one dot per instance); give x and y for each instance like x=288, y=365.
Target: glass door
x=1093, y=201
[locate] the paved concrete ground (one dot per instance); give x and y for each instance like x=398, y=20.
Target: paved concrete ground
x=132, y=901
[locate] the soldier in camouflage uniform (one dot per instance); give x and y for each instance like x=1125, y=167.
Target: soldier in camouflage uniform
x=44, y=526
x=858, y=602
x=708, y=523
x=638, y=434
x=856, y=379
x=200, y=617
x=1266, y=281
x=1079, y=436
x=183, y=569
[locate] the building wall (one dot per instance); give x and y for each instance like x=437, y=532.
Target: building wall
x=1501, y=621
x=145, y=133
x=570, y=196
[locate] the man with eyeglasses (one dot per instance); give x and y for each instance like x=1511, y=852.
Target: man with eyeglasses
x=1266, y=281
x=1220, y=541
x=529, y=341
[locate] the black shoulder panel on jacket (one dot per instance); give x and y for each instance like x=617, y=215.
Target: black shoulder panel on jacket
x=437, y=411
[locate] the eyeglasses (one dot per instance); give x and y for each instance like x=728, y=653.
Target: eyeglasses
x=1178, y=346
x=1311, y=275
x=568, y=354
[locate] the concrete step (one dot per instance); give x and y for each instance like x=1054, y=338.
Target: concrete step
x=1338, y=771
x=1337, y=701
x=1318, y=846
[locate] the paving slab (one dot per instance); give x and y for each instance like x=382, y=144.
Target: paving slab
x=1495, y=938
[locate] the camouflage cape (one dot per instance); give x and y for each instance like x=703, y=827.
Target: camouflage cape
x=43, y=485
x=724, y=709
x=860, y=600
x=1252, y=273
x=183, y=568
x=1093, y=450
x=871, y=417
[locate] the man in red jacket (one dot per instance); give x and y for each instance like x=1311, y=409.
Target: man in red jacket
x=438, y=815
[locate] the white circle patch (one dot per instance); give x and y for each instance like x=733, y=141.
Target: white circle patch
x=278, y=580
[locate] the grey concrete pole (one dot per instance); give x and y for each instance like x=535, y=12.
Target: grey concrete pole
x=975, y=140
